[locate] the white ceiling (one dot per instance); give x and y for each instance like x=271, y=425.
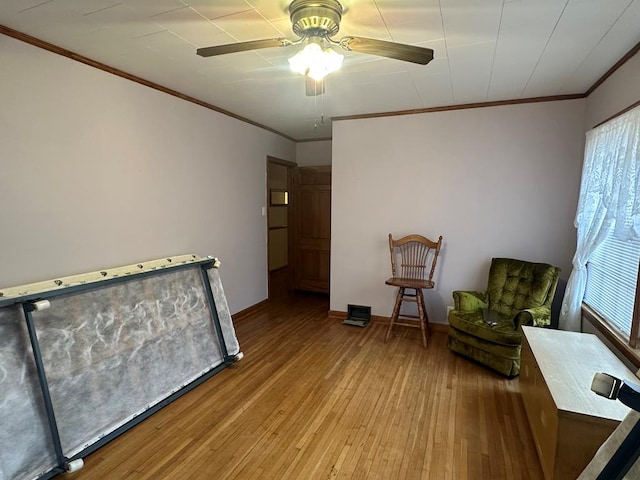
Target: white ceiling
x=485, y=50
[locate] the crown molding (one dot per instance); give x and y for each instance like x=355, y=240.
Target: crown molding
x=465, y=106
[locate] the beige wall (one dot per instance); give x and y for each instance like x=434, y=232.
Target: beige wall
x=496, y=181
x=98, y=171
x=312, y=154
x=618, y=92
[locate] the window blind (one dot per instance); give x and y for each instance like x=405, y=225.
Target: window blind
x=612, y=272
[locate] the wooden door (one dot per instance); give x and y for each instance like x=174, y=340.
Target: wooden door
x=312, y=242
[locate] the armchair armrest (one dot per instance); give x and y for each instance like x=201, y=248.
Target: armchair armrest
x=537, y=316
x=469, y=301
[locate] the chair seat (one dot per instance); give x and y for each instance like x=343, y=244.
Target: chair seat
x=409, y=282
x=473, y=323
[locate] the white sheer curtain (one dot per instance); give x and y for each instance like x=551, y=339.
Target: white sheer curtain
x=609, y=198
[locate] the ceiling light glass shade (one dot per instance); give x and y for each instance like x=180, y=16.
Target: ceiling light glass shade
x=312, y=60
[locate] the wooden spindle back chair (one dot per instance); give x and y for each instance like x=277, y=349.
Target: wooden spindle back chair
x=413, y=264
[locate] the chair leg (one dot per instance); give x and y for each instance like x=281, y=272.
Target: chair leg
x=395, y=314
x=424, y=308
x=422, y=314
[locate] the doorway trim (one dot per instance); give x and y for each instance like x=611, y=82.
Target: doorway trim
x=291, y=219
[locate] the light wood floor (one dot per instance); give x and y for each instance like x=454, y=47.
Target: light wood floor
x=315, y=399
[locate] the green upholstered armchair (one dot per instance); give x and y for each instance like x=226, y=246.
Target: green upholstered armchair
x=485, y=326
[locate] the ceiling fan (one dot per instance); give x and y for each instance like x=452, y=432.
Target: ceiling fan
x=316, y=22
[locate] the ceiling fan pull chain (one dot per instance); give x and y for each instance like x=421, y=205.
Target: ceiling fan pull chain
x=322, y=104
x=315, y=111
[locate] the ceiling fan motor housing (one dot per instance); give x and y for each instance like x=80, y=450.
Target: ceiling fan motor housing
x=315, y=18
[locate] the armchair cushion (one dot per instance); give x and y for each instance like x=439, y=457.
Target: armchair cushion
x=515, y=285
x=473, y=323
x=469, y=301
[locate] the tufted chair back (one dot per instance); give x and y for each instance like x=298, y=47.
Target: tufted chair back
x=516, y=285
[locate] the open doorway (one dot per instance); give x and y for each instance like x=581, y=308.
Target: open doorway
x=280, y=226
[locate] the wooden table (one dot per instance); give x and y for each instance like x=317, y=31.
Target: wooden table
x=568, y=421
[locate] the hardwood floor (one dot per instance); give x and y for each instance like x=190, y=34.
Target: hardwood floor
x=315, y=399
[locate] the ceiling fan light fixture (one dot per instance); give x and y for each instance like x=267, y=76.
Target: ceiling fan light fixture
x=315, y=61
x=316, y=22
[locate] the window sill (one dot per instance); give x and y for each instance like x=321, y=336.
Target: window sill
x=611, y=335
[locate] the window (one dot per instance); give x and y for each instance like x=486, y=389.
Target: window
x=603, y=283
x=612, y=273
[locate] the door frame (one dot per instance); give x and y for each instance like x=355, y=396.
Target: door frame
x=291, y=219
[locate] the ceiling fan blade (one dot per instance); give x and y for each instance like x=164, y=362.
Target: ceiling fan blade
x=398, y=51
x=243, y=46
x=313, y=87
